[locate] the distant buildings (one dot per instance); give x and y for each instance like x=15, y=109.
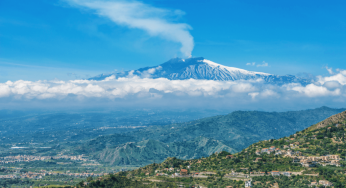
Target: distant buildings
x=40, y=175
x=264, y=150
x=258, y=152
x=314, y=183
x=30, y=158
x=229, y=157
x=275, y=173
x=248, y=184
x=183, y=172
x=288, y=174
x=298, y=157
x=325, y=183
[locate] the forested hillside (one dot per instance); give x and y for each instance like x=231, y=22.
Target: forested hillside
x=149, y=151
x=233, y=132
x=312, y=157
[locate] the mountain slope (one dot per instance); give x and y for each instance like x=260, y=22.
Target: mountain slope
x=241, y=128
x=41, y=127
x=149, y=151
x=233, y=132
x=335, y=119
x=313, y=157
x=200, y=68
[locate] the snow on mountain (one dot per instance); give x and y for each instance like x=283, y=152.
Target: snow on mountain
x=200, y=68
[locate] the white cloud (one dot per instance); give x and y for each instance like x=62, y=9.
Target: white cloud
x=251, y=64
x=148, y=73
x=125, y=86
x=339, y=77
x=190, y=92
x=330, y=70
x=332, y=84
x=264, y=64
x=137, y=15
x=268, y=93
x=253, y=95
x=4, y=90
x=313, y=90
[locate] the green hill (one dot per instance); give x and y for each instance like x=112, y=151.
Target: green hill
x=150, y=151
x=233, y=132
x=333, y=120
x=312, y=157
x=239, y=129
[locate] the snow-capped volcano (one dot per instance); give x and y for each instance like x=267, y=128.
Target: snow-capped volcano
x=200, y=68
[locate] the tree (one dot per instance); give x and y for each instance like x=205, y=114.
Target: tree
x=89, y=179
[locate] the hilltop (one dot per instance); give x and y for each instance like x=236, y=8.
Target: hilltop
x=333, y=120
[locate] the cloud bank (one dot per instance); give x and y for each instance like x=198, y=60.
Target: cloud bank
x=325, y=91
x=134, y=14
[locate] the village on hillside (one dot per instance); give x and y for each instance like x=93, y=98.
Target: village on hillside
x=298, y=156
x=30, y=158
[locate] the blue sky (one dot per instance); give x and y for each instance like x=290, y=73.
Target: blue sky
x=47, y=39
x=49, y=47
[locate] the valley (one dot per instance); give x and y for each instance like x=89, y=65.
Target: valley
x=192, y=141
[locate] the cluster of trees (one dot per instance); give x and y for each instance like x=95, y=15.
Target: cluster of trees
x=15, y=183
x=246, y=160
x=281, y=181
x=121, y=180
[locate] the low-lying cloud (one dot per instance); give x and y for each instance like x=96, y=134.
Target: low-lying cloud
x=324, y=91
x=137, y=15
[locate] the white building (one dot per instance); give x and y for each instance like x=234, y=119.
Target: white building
x=248, y=183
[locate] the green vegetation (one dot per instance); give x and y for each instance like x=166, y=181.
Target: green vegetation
x=200, y=138
x=15, y=183
x=120, y=180
x=322, y=147
x=149, y=151
x=210, y=155
x=75, y=126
